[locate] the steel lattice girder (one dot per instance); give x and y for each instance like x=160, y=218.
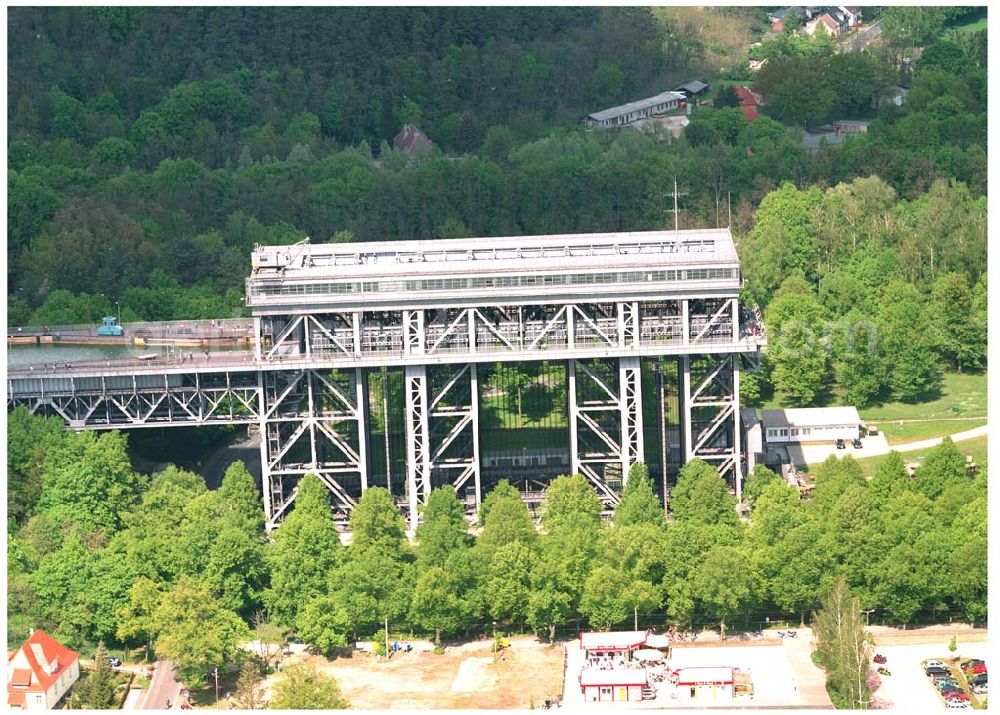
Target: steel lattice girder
x=437, y=415
x=710, y=390
x=314, y=422
x=103, y=402
x=623, y=401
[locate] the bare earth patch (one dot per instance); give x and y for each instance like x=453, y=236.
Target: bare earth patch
x=474, y=676
x=464, y=676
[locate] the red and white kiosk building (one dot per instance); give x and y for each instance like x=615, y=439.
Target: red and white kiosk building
x=612, y=685
x=610, y=673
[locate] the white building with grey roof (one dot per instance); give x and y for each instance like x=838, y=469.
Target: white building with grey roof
x=634, y=111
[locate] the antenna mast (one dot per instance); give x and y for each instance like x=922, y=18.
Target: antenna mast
x=676, y=211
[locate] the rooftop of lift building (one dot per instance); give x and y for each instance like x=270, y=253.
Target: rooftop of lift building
x=646, y=249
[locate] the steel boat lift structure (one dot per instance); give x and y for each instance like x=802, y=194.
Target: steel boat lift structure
x=326, y=316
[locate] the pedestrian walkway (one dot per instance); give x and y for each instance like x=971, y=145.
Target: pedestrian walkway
x=809, y=679
x=572, y=694
x=935, y=441
x=132, y=699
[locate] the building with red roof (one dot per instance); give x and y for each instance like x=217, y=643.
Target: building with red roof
x=40, y=672
x=705, y=684
x=749, y=102
x=600, y=685
x=620, y=642
x=412, y=142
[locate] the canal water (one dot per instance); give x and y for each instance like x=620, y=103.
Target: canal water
x=35, y=354
x=18, y=355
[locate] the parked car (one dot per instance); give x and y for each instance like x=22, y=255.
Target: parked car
x=956, y=695
x=935, y=670
x=947, y=680
x=981, y=688
x=113, y=661
x=971, y=661
x=841, y=444
x=975, y=669
x=958, y=704
x=980, y=679
x=879, y=658
x=856, y=443
x=945, y=689
x=934, y=664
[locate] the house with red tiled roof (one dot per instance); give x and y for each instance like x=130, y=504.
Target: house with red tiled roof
x=749, y=101
x=827, y=21
x=412, y=142
x=40, y=672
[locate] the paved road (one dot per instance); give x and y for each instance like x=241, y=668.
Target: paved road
x=246, y=449
x=934, y=441
x=877, y=446
x=810, y=681
x=863, y=38
x=163, y=688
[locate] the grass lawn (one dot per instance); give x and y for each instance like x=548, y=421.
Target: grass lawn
x=968, y=27
x=896, y=433
x=974, y=447
x=962, y=395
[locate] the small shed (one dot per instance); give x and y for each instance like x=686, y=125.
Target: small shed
x=811, y=424
x=692, y=88
x=612, y=685
x=851, y=126
x=705, y=684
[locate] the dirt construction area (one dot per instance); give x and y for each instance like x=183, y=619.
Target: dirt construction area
x=464, y=676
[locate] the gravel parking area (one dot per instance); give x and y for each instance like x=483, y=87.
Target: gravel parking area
x=908, y=689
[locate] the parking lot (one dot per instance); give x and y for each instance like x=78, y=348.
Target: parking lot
x=908, y=689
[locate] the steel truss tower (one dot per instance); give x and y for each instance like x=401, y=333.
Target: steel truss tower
x=325, y=316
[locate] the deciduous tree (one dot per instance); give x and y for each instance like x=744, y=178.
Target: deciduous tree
x=305, y=551
x=639, y=504
x=842, y=647
x=193, y=629
x=304, y=687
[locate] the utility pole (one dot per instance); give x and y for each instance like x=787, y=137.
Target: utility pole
x=635, y=617
x=387, y=638
x=215, y=672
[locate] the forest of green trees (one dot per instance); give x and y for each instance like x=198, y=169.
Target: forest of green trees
x=145, y=173
x=96, y=551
